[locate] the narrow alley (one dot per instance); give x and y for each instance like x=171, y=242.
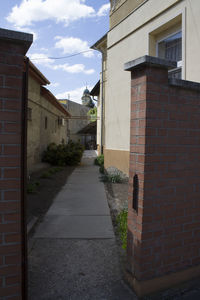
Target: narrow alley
x=73, y=252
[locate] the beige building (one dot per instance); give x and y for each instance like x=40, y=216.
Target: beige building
x=168, y=29
x=78, y=121
x=47, y=118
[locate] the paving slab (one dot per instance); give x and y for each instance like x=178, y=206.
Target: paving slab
x=80, y=210
x=75, y=227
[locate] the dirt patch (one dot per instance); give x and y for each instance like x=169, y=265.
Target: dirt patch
x=45, y=190
x=117, y=196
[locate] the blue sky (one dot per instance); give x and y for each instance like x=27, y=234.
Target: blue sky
x=61, y=28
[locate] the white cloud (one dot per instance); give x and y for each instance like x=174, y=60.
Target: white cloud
x=44, y=60
x=71, y=45
x=41, y=59
x=75, y=95
x=56, y=84
x=77, y=68
x=103, y=10
x=65, y=11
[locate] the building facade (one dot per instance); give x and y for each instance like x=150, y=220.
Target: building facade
x=47, y=118
x=77, y=121
x=99, y=92
x=167, y=29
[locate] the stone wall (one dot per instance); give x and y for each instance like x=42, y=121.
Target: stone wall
x=39, y=134
x=164, y=185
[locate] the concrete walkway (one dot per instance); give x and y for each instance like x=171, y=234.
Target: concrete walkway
x=73, y=253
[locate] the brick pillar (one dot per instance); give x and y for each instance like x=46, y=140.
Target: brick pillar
x=13, y=47
x=164, y=185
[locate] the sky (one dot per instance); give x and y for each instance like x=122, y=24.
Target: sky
x=61, y=28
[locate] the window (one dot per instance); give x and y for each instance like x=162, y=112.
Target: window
x=45, y=123
x=171, y=48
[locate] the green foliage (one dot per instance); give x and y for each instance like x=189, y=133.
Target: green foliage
x=114, y=178
x=99, y=160
x=63, y=154
x=50, y=172
x=46, y=174
x=54, y=170
x=92, y=113
x=122, y=226
x=101, y=169
x=32, y=187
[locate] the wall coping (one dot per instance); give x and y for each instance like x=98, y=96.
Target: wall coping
x=149, y=61
x=17, y=37
x=186, y=84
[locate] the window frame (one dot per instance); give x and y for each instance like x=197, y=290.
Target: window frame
x=180, y=62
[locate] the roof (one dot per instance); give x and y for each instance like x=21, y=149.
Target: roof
x=98, y=45
x=96, y=89
x=53, y=100
x=35, y=72
x=91, y=129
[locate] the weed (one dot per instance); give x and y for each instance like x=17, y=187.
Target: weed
x=46, y=174
x=32, y=187
x=122, y=226
x=99, y=160
x=54, y=170
x=101, y=169
x=50, y=172
x=114, y=178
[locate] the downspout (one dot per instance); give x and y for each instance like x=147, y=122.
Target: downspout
x=102, y=102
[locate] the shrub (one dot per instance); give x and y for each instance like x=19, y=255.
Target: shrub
x=63, y=154
x=122, y=226
x=99, y=160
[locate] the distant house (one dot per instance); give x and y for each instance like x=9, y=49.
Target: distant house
x=46, y=118
x=167, y=29
x=80, y=120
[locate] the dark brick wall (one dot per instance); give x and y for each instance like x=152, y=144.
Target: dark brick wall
x=164, y=233
x=11, y=239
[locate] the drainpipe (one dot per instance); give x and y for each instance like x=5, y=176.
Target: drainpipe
x=102, y=104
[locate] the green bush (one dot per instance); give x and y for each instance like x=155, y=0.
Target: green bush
x=63, y=154
x=122, y=226
x=99, y=160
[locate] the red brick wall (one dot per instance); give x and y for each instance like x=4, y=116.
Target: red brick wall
x=164, y=232
x=11, y=239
